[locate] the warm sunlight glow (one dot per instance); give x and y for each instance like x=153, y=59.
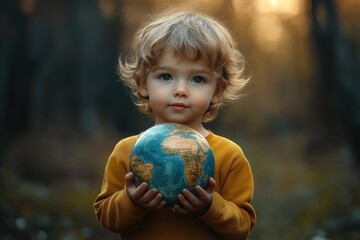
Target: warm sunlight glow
x=268, y=17
x=288, y=8
x=267, y=30
x=202, y=1
x=240, y=6
x=206, y=4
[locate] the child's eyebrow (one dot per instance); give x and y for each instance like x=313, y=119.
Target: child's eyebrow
x=197, y=70
x=163, y=68
x=174, y=70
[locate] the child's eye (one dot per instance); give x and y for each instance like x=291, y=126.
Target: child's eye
x=198, y=79
x=165, y=77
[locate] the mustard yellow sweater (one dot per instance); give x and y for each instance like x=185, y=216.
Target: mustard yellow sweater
x=230, y=215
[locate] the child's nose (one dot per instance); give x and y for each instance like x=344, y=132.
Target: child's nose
x=180, y=89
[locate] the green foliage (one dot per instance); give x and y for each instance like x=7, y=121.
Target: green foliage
x=49, y=185
x=301, y=195
x=37, y=211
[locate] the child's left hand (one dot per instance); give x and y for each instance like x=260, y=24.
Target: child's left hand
x=196, y=205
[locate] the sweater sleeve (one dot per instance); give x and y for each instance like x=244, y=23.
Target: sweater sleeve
x=113, y=206
x=231, y=214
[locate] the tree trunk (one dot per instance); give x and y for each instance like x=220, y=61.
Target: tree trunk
x=338, y=75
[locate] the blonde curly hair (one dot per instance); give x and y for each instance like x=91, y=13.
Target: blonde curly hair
x=190, y=35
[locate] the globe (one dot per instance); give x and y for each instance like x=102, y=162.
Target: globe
x=171, y=157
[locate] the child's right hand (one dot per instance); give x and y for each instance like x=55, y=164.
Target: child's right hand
x=150, y=200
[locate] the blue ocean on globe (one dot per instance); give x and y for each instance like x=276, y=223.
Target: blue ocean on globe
x=172, y=157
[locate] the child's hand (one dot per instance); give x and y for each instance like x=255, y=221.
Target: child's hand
x=151, y=199
x=196, y=205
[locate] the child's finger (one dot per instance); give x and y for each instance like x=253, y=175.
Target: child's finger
x=155, y=201
x=186, y=199
x=179, y=209
x=148, y=196
x=203, y=195
x=139, y=191
x=161, y=204
x=190, y=197
x=210, y=187
x=129, y=179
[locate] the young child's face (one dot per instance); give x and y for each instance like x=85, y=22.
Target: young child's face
x=179, y=90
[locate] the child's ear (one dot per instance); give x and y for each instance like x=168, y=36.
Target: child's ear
x=215, y=99
x=217, y=95
x=144, y=92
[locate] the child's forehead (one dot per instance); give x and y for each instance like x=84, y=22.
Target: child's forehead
x=176, y=56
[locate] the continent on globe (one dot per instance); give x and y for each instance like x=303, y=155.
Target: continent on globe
x=141, y=169
x=172, y=157
x=191, y=152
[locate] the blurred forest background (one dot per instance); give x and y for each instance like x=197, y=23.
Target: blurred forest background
x=62, y=110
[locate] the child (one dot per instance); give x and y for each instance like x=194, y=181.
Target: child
x=184, y=66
